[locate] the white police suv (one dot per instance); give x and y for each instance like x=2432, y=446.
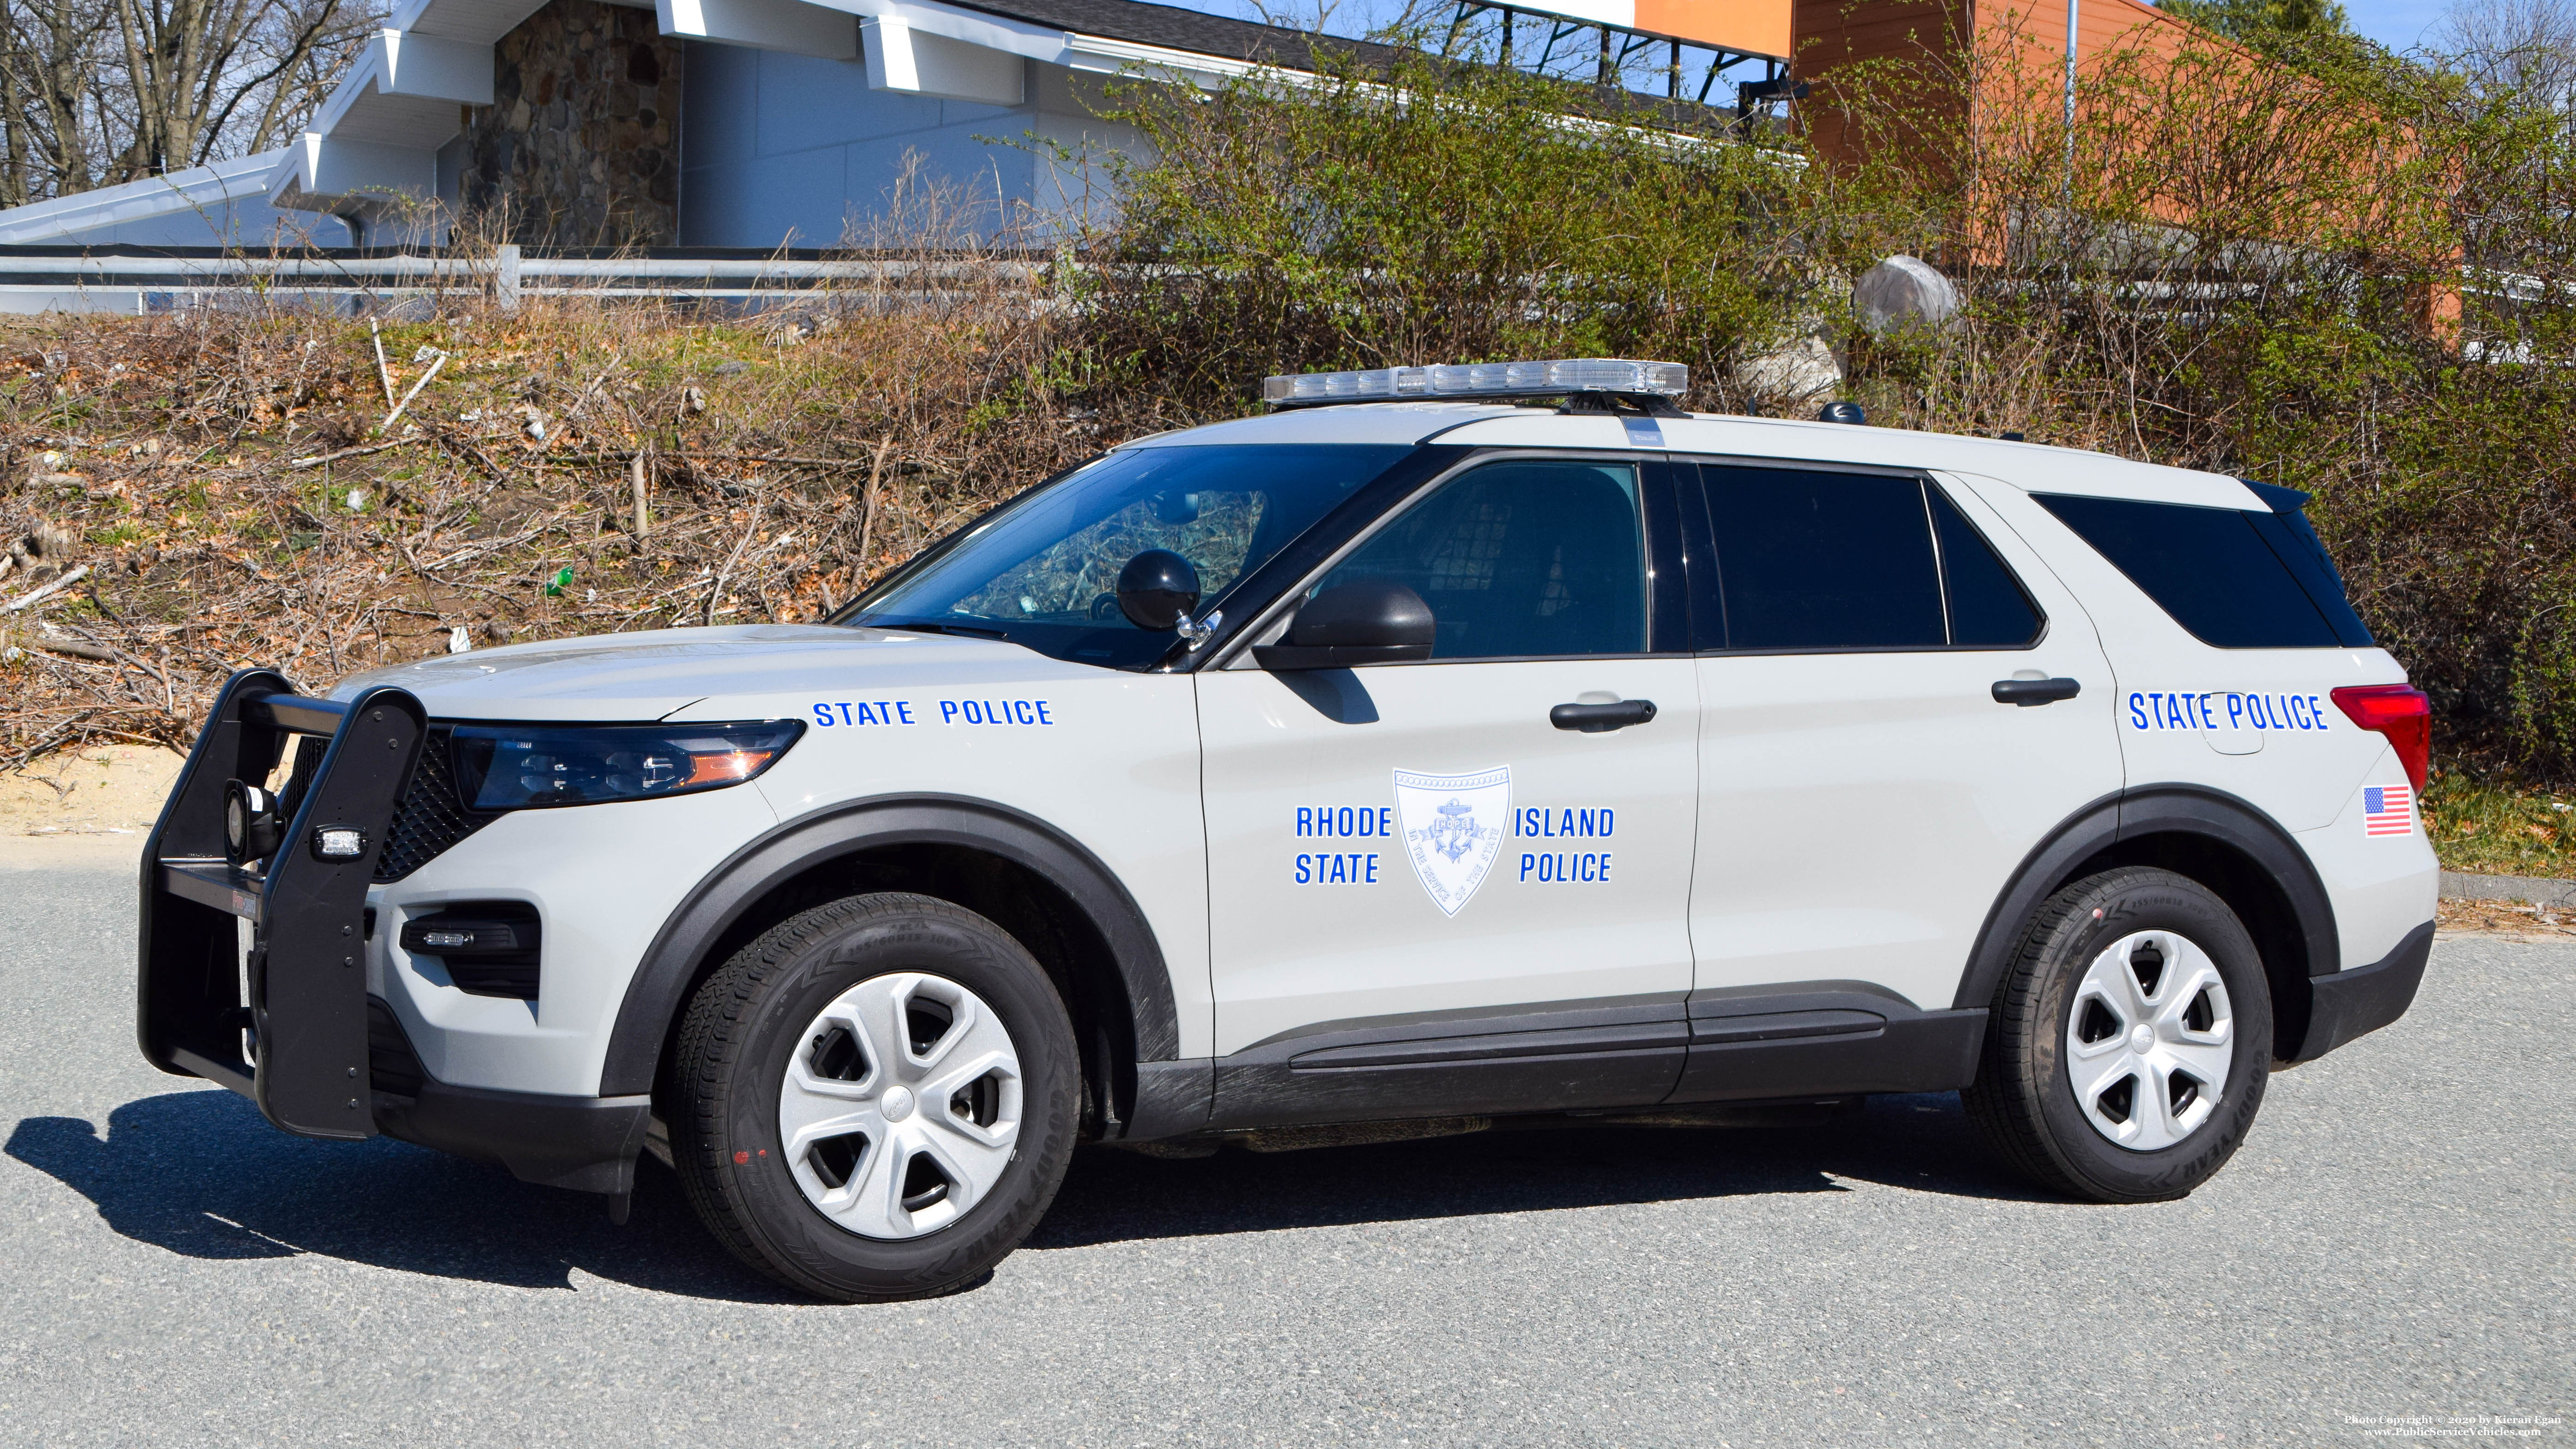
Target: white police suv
x=1451, y=746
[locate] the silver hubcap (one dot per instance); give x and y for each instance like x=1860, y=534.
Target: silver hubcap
x=2149, y=1040
x=901, y=1108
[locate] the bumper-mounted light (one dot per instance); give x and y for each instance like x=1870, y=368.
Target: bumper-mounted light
x=251, y=827
x=339, y=842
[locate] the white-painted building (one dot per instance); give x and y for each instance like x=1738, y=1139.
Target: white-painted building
x=225, y=204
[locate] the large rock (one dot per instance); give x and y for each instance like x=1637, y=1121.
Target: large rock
x=1792, y=373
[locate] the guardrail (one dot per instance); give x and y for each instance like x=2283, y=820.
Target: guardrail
x=162, y=279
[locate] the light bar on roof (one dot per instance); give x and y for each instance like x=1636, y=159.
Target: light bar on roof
x=1480, y=379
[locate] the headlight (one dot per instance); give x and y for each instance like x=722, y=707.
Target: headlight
x=515, y=767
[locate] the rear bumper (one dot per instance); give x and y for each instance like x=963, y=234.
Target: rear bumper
x=2349, y=1004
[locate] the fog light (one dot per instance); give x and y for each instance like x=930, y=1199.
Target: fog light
x=339, y=842
x=446, y=940
x=251, y=827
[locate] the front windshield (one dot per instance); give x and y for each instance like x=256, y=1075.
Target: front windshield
x=1043, y=571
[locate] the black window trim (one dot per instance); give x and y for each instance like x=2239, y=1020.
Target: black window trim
x=1667, y=544
x=1713, y=597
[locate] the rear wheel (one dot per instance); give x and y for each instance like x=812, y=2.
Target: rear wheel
x=2128, y=1046
x=876, y=1099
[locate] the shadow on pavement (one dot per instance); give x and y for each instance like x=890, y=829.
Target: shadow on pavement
x=1923, y=1143
x=200, y=1174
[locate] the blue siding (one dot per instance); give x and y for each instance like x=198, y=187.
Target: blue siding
x=789, y=149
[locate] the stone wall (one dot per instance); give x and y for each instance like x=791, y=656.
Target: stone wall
x=580, y=146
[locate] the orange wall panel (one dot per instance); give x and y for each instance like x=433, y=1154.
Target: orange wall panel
x=1756, y=27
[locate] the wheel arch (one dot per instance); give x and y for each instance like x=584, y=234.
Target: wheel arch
x=1044, y=888
x=2221, y=841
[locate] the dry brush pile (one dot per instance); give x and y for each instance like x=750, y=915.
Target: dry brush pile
x=186, y=495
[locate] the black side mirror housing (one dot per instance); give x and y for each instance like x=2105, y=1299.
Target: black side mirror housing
x=1370, y=622
x=1157, y=590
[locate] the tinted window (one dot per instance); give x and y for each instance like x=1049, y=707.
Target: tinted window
x=1810, y=560
x=2298, y=545
x=1518, y=559
x=2210, y=568
x=1043, y=569
x=1988, y=609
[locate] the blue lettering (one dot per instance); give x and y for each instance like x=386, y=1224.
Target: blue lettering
x=2317, y=708
x=948, y=711
x=1567, y=867
x=1356, y=868
x=1305, y=821
x=2236, y=711
x=823, y=715
x=2137, y=710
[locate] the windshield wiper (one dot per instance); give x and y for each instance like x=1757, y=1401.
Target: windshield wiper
x=969, y=631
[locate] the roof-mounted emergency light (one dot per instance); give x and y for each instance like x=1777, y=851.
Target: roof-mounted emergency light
x=1616, y=377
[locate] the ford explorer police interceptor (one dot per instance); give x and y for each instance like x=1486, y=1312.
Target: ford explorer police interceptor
x=1449, y=746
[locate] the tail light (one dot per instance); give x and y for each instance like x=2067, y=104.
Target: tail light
x=2400, y=712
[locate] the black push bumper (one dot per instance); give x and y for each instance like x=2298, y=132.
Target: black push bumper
x=2349, y=1004
x=286, y=1023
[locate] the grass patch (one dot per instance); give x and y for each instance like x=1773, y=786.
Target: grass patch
x=2496, y=826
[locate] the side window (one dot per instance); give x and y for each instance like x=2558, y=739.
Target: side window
x=2210, y=568
x=1814, y=560
x=1988, y=609
x=1530, y=558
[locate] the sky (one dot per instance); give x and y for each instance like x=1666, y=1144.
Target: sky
x=2401, y=25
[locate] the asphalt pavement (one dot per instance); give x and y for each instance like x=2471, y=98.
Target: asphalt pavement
x=2391, y=1255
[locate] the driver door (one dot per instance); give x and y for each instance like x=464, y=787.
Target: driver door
x=1426, y=896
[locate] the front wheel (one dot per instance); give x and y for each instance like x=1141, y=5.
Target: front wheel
x=876, y=1099
x=2127, y=1047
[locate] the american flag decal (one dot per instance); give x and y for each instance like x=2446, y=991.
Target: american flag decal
x=2387, y=810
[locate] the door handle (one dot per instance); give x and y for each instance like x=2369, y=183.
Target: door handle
x=2027, y=692
x=1597, y=719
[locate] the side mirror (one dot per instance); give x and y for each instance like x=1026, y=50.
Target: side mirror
x=1372, y=622
x=1157, y=590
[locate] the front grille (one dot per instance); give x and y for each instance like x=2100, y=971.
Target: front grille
x=432, y=816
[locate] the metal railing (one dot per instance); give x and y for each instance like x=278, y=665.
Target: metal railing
x=140, y=280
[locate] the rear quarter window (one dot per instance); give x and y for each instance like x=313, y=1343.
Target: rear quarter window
x=2236, y=580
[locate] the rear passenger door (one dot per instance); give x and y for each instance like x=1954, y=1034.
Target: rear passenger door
x=1863, y=794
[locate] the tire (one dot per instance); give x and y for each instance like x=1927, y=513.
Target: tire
x=929, y=1069
x=2065, y=1032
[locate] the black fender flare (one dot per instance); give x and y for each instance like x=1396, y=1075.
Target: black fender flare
x=658, y=991
x=2155, y=810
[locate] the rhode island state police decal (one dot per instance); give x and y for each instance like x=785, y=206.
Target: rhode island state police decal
x=1453, y=829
